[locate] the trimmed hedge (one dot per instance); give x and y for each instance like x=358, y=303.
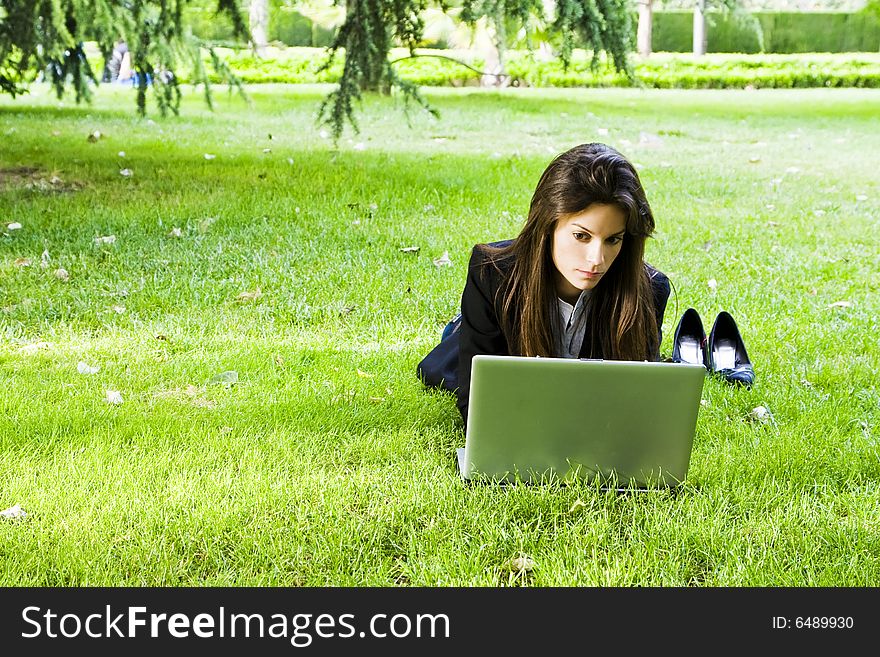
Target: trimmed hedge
x=661, y=70
x=290, y=27
x=780, y=32
x=207, y=25
x=672, y=31
x=286, y=26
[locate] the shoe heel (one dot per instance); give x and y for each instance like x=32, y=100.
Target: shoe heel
x=690, y=344
x=727, y=352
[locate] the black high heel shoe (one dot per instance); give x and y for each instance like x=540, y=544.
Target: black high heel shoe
x=689, y=343
x=727, y=352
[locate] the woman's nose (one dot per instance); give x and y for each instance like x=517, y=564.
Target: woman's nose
x=596, y=254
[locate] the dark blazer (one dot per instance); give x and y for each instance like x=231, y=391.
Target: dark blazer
x=477, y=330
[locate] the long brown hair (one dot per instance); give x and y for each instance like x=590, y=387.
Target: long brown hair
x=621, y=323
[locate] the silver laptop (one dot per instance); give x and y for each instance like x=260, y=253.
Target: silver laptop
x=629, y=425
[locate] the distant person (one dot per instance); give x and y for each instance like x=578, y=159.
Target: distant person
x=126, y=74
x=119, y=66
x=573, y=284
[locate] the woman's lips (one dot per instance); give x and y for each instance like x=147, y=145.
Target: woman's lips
x=589, y=274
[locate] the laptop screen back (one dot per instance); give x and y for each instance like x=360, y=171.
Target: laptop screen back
x=629, y=424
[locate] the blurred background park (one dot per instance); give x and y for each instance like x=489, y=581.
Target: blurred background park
x=365, y=45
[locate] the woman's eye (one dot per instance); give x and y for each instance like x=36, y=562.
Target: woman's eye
x=582, y=237
x=615, y=240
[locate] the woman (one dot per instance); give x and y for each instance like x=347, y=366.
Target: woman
x=573, y=284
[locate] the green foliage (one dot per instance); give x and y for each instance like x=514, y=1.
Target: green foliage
x=821, y=32
x=366, y=37
x=45, y=39
x=780, y=32
x=721, y=71
x=322, y=37
x=209, y=26
x=597, y=25
x=290, y=27
x=434, y=67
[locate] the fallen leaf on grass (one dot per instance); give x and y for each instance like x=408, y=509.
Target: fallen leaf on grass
x=105, y=239
x=410, y=249
x=13, y=512
x=62, y=275
x=44, y=259
x=519, y=565
x=861, y=197
x=29, y=349
x=114, y=397
x=175, y=232
x=118, y=309
x=94, y=136
x=378, y=400
x=762, y=415
x=127, y=173
x=443, y=261
x=85, y=368
x=14, y=225
x=712, y=283
x=577, y=505
x=226, y=378
x=840, y=304
x=22, y=262
x=245, y=297
x=364, y=375
x=209, y=156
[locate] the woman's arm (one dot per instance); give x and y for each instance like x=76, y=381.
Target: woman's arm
x=660, y=290
x=480, y=326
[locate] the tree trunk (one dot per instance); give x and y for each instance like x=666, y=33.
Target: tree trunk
x=494, y=46
x=700, y=28
x=646, y=25
x=259, y=23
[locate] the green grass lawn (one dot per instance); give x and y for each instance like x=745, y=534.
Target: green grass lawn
x=281, y=259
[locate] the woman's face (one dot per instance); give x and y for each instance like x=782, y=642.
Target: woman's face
x=585, y=245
